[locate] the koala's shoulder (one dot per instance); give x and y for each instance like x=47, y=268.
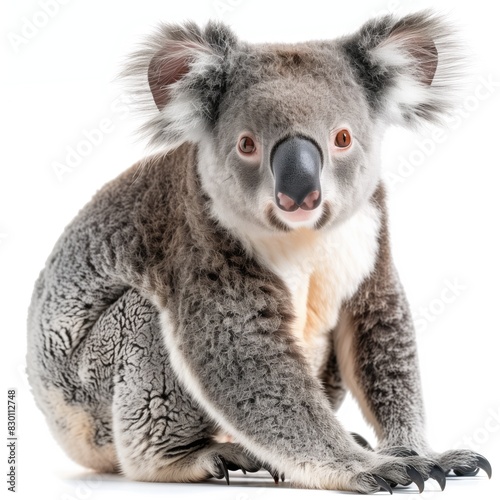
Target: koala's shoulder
x=165, y=168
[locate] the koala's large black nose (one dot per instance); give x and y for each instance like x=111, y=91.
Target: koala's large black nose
x=296, y=164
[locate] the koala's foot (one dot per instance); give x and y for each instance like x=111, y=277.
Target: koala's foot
x=235, y=458
x=364, y=471
x=223, y=467
x=221, y=458
x=437, y=473
x=212, y=461
x=463, y=462
x=404, y=469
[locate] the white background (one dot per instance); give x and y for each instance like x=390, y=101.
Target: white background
x=57, y=83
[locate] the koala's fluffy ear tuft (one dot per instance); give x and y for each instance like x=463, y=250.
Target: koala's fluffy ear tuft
x=409, y=68
x=178, y=78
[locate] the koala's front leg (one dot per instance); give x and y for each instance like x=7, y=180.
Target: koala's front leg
x=375, y=343
x=229, y=341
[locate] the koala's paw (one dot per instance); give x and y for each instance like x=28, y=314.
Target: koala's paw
x=386, y=472
x=437, y=473
x=463, y=462
x=229, y=457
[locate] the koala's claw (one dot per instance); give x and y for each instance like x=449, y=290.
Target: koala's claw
x=221, y=464
x=416, y=477
x=439, y=475
x=274, y=473
x=384, y=485
x=232, y=466
x=481, y=463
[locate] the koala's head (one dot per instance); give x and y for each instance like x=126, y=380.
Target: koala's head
x=288, y=135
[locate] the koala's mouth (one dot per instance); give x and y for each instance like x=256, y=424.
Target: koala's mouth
x=288, y=221
x=300, y=215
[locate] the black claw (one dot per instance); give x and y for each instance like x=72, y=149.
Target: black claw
x=416, y=477
x=361, y=441
x=282, y=477
x=231, y=465
x=438, y=475
x=222, y=466
x=382, y=483
x=482, y=463
x=274, y=474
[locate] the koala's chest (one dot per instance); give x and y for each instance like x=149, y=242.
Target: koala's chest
x=321, y=271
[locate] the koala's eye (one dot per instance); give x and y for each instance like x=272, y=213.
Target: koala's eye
x=343, y=138
x=246, y=145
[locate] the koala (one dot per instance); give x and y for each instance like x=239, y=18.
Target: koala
x=208, y=309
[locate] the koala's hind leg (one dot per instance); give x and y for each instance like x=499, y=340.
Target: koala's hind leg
x=160, y=433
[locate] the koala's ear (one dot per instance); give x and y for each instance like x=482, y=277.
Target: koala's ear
x=409, y=67
x=178, y=79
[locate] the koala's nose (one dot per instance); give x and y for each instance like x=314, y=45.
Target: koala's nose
x=296, y=165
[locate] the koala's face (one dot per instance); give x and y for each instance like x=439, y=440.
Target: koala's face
x=288, y=135
x=293, y=144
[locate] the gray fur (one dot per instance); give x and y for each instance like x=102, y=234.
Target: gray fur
x=157, y=323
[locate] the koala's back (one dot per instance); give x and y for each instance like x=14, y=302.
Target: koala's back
x=85, y=271
x=77, y=338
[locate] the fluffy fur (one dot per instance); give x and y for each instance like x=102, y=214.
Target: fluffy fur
x=179, y=305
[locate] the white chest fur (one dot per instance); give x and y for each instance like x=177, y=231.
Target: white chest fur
x=321, y=270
